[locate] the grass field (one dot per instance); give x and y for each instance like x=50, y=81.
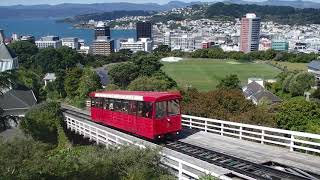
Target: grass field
x=205, y=74
x=293, y=66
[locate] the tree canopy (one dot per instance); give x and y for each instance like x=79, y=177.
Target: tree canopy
x=230, y=82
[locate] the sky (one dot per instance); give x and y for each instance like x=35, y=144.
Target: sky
x=33, y=2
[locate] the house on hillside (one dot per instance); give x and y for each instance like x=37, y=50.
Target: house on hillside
x=8, y=60
x=49, y=77
x=256, y=92
x=17, y=102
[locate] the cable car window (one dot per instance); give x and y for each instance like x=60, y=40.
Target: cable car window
x=145, y=109
x=173, y=107
x=132, y=107
x=106, y=104
x=93, y=102
x=111, y=104
x=161, y=109
x=117, y=105
x=99, y=102
x=125, y=106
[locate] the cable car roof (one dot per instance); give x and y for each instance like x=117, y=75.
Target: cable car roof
x=137, y=95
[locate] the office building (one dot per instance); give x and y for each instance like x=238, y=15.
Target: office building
x=144, y=29
x=279, y=45
x=102, y=29
x=49, y=41
x=71, y=42
x=102, y=46
x=8, y=60
x=144, y=44
x=250, y=32
x=28, y=38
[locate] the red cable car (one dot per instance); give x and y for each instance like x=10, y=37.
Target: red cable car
x=148, y=114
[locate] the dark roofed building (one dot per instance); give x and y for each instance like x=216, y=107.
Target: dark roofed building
x=8, y=60
x=265, y=95
x=255, y=92
x=17, y=102
x=314, y=68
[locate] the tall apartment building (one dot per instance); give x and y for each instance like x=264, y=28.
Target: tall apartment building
x=144, y=29
x=250, y=32
x=102, y=30
x=144, y=44
x=49, y=41
x=102, y=46
x=71, y=42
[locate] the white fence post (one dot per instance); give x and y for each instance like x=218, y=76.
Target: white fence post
x=292, y=142
x=206, y=126
x=190, y=123
x=222, y=125
x=262, y=137
x=240, y=132
x=180, y=171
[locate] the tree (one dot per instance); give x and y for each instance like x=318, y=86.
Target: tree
x=316, y=94
x=298, y=115
x=89, y=81
x=148, y=64
x=24, y=50
x=145, y=83
x=28, y=79
x=72, y=81
x=70, y=57
x=55, y=90
x=162, y=49
x=42, y=122
x=5, y=81
x=6, y=120
x=300, y=83
x=122, y=74
x=230, y=82
x=48, y=60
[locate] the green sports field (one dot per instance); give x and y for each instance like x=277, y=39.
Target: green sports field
x=205, y=74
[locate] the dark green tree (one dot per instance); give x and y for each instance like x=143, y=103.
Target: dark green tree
x=24, y=50
x=162, y=49
x=148, y=64
x=145, y=83
x=72, y=81
x=89, y=81
x=230, y=82
x=300, y=83
x=299, y=115
x=42, y=122
x=122, y=74
x=48, y=60
x=70, y=57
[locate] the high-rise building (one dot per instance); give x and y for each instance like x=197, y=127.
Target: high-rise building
x=144, y=29
x=250, y=33
x=102, y=30
x=102, y=46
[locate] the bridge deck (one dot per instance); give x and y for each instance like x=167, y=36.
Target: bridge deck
x=255, y=152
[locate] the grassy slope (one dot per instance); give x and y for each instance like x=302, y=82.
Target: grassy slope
x=206, y=74
x=293, y=66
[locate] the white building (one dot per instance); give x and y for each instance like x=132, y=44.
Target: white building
x=144, y=44
x=8, y=60
x=49, y=41
x=84, y=50
x=183, y=42
x=49, y=77
x=71, y=42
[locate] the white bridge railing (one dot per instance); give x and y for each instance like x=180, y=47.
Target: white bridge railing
x=296, y=141
x=185, y=170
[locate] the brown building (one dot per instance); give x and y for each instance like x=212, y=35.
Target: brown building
x=102, y=46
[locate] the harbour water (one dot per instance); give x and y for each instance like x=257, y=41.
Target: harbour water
x=44, y=27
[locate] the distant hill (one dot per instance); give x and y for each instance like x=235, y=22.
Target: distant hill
x=279, y=14
x=68, y=9
x=296, y=4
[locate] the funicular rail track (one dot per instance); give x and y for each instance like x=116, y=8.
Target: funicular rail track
x=254, y=170
x=240, y=166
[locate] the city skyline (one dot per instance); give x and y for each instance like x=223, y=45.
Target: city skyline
x=55, y=2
